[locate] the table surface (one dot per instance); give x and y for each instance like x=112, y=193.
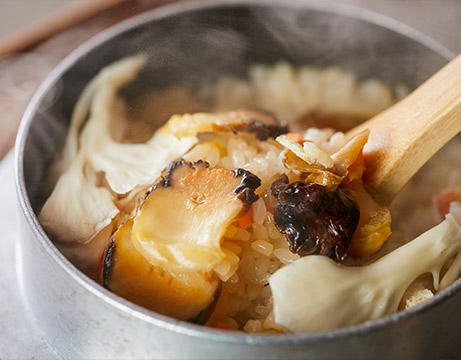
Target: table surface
x=20, y=338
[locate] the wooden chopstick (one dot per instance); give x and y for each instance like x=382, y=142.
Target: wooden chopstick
x=58, y=21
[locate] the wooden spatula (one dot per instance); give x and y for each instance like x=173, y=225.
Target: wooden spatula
x=53, y=24
x=404, y=137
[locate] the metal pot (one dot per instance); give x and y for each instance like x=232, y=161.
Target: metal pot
x=187, y=43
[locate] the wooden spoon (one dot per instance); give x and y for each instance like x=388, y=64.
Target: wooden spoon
x=408, y=134
x=62, y=19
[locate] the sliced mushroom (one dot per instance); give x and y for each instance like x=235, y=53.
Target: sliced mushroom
x=163, y=258
x=315, y=220
x=183, y=295
x=183, y=219
x=262, y=124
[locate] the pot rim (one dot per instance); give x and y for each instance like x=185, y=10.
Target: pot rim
x=120, y=304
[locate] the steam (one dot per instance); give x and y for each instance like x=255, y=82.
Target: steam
x=21, y=75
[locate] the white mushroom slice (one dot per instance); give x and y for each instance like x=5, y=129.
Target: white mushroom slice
x=81, y=204
x=77, y=209
x=314, y=293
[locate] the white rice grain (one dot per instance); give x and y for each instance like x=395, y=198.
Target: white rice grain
x=259, y=211
x=285, y=255
x=263, y=247
x=253, y=326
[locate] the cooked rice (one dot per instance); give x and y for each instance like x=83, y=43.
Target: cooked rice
x=252, y=254
x=245, y=302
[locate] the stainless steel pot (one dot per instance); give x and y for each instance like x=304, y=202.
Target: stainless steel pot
x=187, y=43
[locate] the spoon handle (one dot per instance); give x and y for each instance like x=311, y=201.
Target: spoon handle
x=405, y=136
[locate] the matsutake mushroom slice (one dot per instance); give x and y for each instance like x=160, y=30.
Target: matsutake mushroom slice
x=183, y=219
x=183, y=295
x=163, y=258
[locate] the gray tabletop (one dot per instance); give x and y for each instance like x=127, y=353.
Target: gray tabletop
x=20, y=337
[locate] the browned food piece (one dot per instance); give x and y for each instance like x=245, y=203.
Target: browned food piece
x=262, y=124
x=315, y=220
x=163, y=258
x=244, y=185
x=374, y=225
x=183, y=295
x=182, y=221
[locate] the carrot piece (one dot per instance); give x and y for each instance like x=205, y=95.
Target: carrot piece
x=219, y=325
x=294, y=136
x=443, y=201
x=247, y=220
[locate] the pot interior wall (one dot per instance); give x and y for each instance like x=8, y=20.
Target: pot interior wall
x=203, y=44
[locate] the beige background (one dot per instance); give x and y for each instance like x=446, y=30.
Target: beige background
x=16, y=14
